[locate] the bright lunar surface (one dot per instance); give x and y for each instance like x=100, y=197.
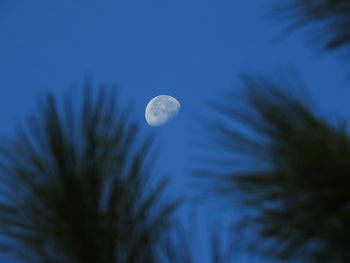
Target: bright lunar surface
x=161, y=109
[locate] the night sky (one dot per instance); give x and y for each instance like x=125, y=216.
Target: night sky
x=189, y=49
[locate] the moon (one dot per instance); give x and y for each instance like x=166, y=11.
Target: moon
x=161, y=110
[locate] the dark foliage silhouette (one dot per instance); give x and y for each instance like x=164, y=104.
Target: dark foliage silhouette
x=182, y=246
x=329, y=18
x=293, y=172
x=77, y=186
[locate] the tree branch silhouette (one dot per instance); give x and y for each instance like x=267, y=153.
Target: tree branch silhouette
x=329, y=19
x=77, y=186
x=293, y=175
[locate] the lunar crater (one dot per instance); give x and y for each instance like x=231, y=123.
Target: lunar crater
x=161, y=110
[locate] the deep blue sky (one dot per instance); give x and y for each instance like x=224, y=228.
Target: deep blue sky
x=190, y=49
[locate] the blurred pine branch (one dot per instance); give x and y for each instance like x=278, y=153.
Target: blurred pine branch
x=294, y=173
x=76, y=186
x=328, y=19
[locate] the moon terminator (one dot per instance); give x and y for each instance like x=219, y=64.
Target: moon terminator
x=161, y=110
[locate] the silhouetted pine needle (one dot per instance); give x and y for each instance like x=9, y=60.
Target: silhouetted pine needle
x=296, y=195
x=182, y=247
x=330, y=19
x=76, y=186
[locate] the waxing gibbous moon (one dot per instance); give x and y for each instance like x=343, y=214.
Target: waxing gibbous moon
x=161, y=110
